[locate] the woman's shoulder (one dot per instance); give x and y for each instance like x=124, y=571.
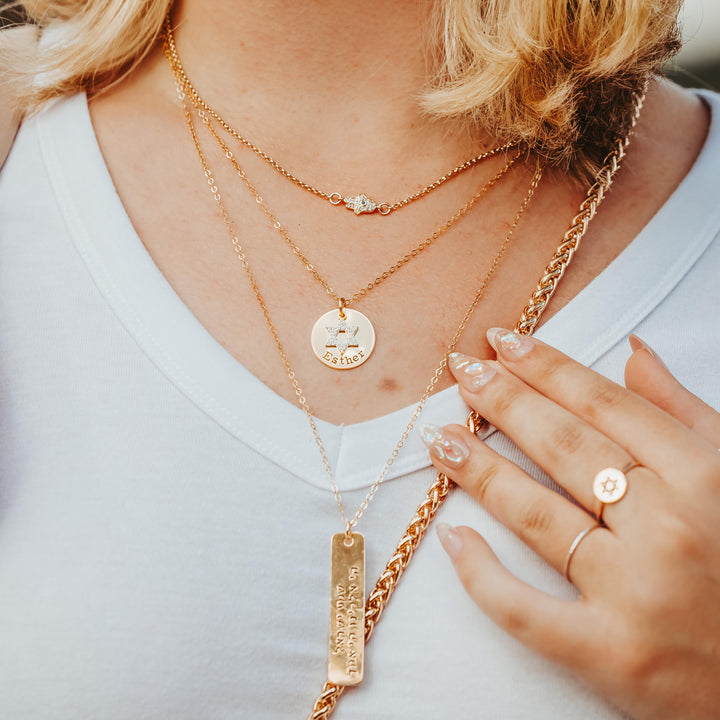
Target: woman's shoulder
x=674, y=131
x=675, y=148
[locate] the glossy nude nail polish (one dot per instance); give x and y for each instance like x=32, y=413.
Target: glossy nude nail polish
x=469, y=372
x=637, y=343
x=449, y=539
x=509, y=344
x=450, y=451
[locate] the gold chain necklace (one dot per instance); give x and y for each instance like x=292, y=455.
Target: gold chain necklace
x=346, y=646
x=342, y=339
x=337, y=331
x=348, y=547
x=359, y=203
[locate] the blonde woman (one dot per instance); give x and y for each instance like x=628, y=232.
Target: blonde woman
x=165, y=512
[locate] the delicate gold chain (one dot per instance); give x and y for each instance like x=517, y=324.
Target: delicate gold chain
x=334, y=198
x=242, y=257
x=437, y=493
x=309, y=266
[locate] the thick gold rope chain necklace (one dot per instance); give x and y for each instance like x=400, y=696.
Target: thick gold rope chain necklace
x=437, y=493
x=359, y=203
x=348, y=547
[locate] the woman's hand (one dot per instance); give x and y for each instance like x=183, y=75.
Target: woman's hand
x=645, y=631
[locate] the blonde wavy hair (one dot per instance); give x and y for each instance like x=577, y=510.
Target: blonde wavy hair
x=557, y=74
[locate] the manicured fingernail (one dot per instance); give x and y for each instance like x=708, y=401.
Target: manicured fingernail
x=509, y=344
x=449, y=539
x=470, y=372
x=637, y=343
x=450, y=451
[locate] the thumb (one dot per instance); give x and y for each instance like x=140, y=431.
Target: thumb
x=647, y=375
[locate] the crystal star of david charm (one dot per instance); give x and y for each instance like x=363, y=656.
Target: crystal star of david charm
x=360, y=204
x=343, y=341
x=342, y=336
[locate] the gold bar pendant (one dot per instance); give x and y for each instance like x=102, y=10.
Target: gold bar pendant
x=347, y=611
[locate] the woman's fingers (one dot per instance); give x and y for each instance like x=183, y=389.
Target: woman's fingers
x=643, y=632
x=654, y=438
x=558, y=629
x=543, y=519
x=646, y=375
x=569, y=449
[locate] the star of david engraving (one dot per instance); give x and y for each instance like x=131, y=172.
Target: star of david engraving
x=609, y=486
x=342, y=336
x=360, y=204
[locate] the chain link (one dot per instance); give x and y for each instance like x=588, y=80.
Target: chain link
x=578, y=227
x=335, y=198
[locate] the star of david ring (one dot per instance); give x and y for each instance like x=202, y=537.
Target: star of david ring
x=574, y=546
x=610, y=486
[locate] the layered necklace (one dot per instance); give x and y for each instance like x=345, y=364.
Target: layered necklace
x=346, y=645
x=342, y=338
x=359, y=203
x=352, y=615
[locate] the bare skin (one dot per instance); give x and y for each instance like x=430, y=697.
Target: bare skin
x=336, y=100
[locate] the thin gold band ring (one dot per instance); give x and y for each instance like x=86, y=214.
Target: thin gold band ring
x=574, y=546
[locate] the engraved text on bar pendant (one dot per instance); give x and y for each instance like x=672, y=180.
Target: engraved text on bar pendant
x=347, y=612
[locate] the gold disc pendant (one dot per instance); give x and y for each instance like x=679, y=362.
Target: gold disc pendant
x=347, y=609
x=343, y=339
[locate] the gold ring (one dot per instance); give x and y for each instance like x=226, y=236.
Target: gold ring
x=610, y=486
x=574, y=546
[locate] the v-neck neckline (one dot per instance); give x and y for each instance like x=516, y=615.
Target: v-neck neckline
x=595, y=320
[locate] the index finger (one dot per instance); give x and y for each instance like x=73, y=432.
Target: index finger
x=651, y=436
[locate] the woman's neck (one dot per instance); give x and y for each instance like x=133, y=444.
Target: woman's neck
x=338, y=50
x=349, y=77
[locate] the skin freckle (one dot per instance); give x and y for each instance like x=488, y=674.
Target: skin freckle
x=388, y=385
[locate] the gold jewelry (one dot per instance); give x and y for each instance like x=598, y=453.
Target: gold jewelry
x=341, y=339
x=338, y=330
x=378, y=598
x=438, y=492
x=574, y=546
x=345, y=666
x=349, y=523
x=359, y=203
x=610, y=485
